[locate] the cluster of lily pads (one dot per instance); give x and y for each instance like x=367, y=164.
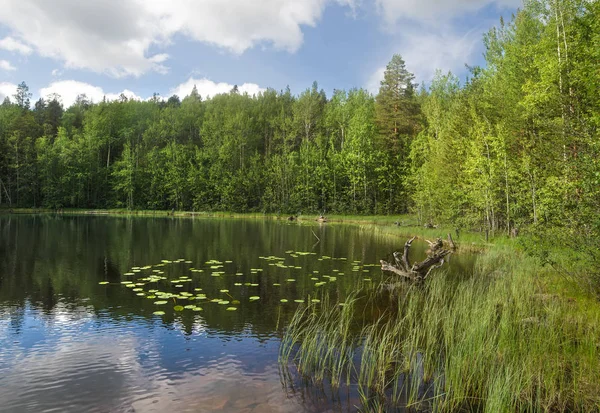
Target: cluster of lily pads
x=145, y=281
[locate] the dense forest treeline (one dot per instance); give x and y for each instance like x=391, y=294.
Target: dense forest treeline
x=517, y=144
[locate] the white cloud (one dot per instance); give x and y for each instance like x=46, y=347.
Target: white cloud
x=127, y=93
x=70, y=89
x=208, y=88
x=117, y=37
x=433, y=10
x=7, y=89
x=14, y=45
x=374, y=80
x=6, y=65
x=446, y=50
x=425, y=52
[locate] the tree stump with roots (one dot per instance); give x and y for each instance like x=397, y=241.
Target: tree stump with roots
x=437, y=255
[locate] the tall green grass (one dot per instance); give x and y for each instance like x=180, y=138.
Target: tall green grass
x=495, y=340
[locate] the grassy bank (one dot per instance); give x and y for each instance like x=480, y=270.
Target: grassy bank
x=511, y=336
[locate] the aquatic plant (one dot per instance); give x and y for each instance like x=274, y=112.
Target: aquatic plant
x=494, y=340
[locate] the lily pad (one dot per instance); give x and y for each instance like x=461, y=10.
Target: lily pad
x=162, y=302
x=103, y=282
x=284, y=300
x=298, y=301
x=231, y=308
x=178, y=308
x=159, y=313
x=254, y=298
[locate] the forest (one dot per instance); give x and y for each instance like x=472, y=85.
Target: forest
x=517, y=144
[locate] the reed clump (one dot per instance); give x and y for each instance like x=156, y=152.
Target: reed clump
x=494, y=340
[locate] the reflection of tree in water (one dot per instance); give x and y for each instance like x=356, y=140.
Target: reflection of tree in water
x=108, y=269
x=46, y=260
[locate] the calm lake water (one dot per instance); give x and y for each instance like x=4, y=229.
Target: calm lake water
x=74, y=337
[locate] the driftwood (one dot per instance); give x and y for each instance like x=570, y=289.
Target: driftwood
x=437, y=255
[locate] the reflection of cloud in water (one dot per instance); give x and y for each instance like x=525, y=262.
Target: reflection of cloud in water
x=105, y=373
x=96, y=372
x=223, y=388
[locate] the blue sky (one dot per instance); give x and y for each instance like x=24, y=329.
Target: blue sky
x=105, y=47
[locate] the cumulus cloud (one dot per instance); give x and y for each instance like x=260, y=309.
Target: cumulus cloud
x=7, y=89
x=6, y=65
x=423, y=53
x=70, y=89
x=208, y=88
x=117, y=37
x=14, y=45
x=433, y=10
x=429, y=37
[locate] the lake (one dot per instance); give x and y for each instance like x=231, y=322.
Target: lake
x=124, y=314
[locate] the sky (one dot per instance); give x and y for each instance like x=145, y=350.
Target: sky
x=141, y=47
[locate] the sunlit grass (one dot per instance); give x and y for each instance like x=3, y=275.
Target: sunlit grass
x=495, y=340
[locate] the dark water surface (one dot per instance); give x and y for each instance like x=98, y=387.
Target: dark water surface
x=70, y=344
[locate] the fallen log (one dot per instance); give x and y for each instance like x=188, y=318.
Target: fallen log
x=437, y=255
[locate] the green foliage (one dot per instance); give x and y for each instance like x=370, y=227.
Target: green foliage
x=515, y=146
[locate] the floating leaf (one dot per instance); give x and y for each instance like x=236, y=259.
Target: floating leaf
x=254, y=298
x=276, y=284
x=151, y=296
x=138, y=289
x=162, y=302
x=235, y=302
x=237, y=284
x=189, y=307
x=290, y=280
x=315, y=300
x=197, y=309
x=141, y=294
x=284, y=300
x=223, y=291
x=231, y=308
x=126, y=282
x=178, y=308
x=103, y=282
x=298, y=301
x=159, y=313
